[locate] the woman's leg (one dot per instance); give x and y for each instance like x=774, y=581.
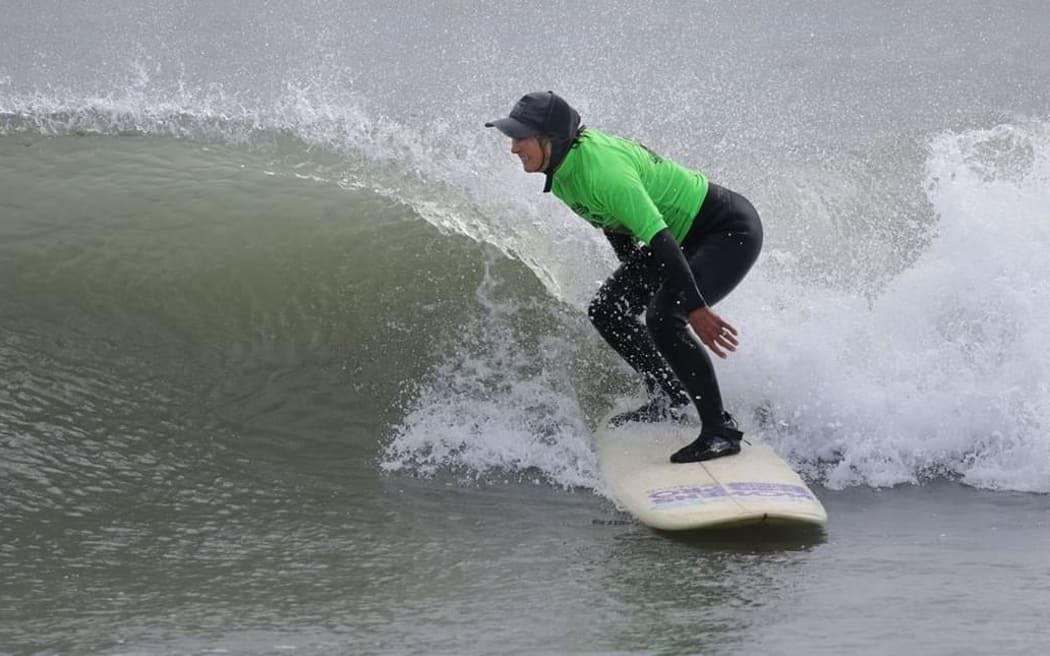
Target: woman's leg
x=615, y=311
x=726, y=243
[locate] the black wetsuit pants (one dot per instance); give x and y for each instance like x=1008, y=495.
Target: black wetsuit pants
x=723, y=243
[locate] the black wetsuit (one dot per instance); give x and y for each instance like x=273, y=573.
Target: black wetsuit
x=720, y=248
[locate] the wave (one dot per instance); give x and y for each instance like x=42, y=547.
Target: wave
x=937, y=369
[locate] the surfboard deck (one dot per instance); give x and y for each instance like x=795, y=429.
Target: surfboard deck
x=753, y=487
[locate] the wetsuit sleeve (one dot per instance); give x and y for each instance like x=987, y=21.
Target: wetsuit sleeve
x=624, y=245
x=670, y=256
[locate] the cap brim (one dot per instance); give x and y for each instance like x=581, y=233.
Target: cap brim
x=513, y=128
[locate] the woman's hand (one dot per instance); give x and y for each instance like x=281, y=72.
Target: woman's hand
x=715, y=333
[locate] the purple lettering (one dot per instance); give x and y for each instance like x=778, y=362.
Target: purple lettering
x=686, y=495
x=756, y=489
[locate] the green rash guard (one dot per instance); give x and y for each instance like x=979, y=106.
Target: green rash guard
x=623, y=187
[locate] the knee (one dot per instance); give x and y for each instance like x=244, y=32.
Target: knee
x=653, y=319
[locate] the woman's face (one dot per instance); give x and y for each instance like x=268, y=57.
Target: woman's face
x=533, y=152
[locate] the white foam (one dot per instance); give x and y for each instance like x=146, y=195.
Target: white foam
x=946, y=371
x=497, y=405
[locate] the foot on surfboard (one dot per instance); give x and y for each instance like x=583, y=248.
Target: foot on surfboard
x=715, y=441
x=653, y=412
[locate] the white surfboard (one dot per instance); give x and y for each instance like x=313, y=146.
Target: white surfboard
x=755, y=486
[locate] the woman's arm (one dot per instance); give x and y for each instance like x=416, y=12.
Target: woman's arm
x=712, y=330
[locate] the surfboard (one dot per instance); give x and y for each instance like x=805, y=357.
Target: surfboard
x=753, y=487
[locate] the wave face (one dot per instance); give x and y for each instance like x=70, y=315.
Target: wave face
x=262, y=235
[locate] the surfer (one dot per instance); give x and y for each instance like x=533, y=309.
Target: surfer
x=683, y=243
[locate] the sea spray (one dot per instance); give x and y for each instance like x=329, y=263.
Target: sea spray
x=944, y=373
x=500, y=403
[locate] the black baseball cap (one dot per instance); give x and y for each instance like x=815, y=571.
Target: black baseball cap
x=539, y=113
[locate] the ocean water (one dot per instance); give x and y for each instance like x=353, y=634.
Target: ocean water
x=295, y=359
